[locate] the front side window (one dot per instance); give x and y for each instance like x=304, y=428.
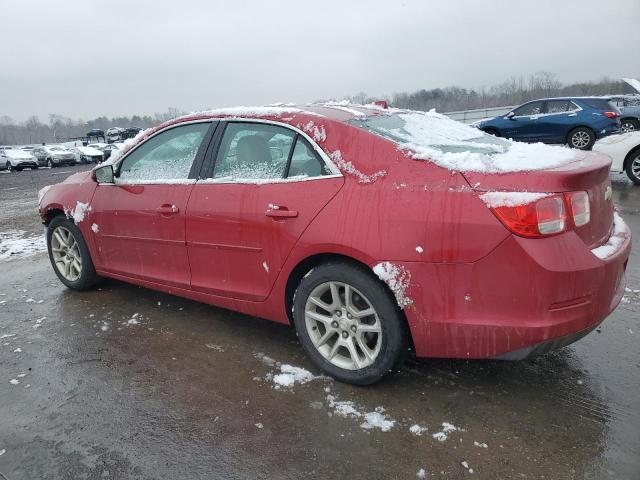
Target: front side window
x=253, y=151
x=166, y=156
x=533, y=108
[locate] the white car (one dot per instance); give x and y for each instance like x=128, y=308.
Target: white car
x=14, y=159
x=87, y=154
x=624, y=151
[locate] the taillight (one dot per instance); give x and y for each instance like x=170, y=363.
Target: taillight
x=580, y=209
x=545, y=216
x=611, y=114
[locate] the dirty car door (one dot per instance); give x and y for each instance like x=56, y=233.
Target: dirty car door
x=140, y=220
x=267, y=186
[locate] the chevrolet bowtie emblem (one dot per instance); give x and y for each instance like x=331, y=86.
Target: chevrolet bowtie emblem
x=608, y=193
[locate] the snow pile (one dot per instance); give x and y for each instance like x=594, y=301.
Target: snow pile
x=510, y=199
x=242, y=111
x=447, y=428
x=78, y=212
x=455, y=146
x=14, y=244
x=290, y=375
x=345, y=106
x=422, y=473
x=397, y=278
x=376, y=419
x=317, y=132
x=619, y=234
x=350, y=169
x=417, y=429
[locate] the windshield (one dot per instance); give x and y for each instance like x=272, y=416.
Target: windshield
x=429, y=130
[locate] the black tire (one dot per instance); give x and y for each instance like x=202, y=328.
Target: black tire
x=629, y=125
x=633, y=163
x=581, y=138
x=18, y=169
x=9, y=166
x=394, y=335
x=492, y=131
x=50, y=163
x=88, y=276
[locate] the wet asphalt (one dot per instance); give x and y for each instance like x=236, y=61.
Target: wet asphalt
x=187, y=392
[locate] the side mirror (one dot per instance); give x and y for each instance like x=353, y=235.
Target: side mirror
x=104, y=174
x=510, y=115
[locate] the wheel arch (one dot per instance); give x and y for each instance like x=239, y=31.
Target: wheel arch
x=51, y=212
x=309, y=263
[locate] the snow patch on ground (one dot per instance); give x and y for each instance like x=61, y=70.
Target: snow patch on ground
x=510, y=199
x=398, y=278
x=417, y=429
x=447, y=428
x=372, y=420
x=349, y=169
x=619, y=234
x=290, y=376
x=15, y=244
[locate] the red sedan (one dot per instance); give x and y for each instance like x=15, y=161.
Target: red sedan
x=373, y=231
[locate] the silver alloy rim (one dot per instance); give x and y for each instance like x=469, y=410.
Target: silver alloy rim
x=343, y=325
x=580, y=139
x=66, y=254
x=628, y=127
x=635, y=167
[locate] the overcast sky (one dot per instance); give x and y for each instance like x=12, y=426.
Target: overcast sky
x=89, y=58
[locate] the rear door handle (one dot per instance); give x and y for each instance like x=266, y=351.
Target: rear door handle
x=276, y=211
x=167, y=209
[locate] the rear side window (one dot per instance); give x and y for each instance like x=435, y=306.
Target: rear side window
x=599, y=104
x=305, y=161
x=559, y=106
x=533, y=108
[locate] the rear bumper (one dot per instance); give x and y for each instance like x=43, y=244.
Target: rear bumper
x=525, y=298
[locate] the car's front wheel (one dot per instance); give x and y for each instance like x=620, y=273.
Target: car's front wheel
x=9, y=167
x=633, y=167
x=348, y=323
x=581, y=138
x=69, y=254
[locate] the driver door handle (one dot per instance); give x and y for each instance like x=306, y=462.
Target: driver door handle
x=167, y=209
x=277, y=211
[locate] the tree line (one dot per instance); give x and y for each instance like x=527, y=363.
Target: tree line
x=513, y=91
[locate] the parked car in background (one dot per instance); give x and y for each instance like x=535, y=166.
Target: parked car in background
x=267, y=211
x=624, y=151
x=130, y=132
x=87, y=154
x=114, y=134
x=107, y=150
x=15, y=159
x=629, y=106
x=576, y=121
x=53, y=155
x=95, y=133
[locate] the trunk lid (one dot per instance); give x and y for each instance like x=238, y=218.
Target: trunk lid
x=589, y=172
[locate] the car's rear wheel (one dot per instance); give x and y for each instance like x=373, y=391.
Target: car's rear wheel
x=69, y=254
x=629, y=125
x=348, y=323
x=633, y=167
x=581, y=138
x=9, y=167
x=49, y=163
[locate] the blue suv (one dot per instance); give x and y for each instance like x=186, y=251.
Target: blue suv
x=577, y=121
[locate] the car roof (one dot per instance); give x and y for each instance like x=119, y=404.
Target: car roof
x=571, y=98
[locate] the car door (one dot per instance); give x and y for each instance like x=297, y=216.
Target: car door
x=140, y=219
x=265, y=185
x=522, y=125
x=557, y=119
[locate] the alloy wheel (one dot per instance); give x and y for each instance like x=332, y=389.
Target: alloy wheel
x=580, y=139
x=627, y=127
x=635, y=167
x=66, y=254
x=343, y=325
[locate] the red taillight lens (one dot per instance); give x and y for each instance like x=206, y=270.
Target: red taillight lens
x=580, y=208
x=546, y=216
x=610, y=114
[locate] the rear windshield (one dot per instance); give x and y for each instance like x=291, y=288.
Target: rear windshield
x=431, y=131
x=599, y=103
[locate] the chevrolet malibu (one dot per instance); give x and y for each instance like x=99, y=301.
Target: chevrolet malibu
x=373, y=231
